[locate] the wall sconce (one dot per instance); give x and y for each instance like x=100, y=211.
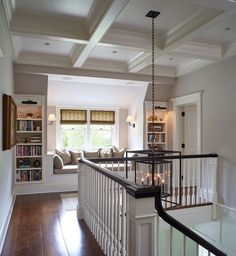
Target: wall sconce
x=51, y=119
x=130, y=121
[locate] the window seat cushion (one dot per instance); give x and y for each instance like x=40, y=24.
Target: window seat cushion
x=67, y=169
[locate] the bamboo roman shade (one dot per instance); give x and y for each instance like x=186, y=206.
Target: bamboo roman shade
x=73, y=116
x=102, y=117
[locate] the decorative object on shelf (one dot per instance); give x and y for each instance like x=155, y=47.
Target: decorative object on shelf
x=51, y=119
x=130, y=121
x=36, y=163
x=9, y=122
x=30, y=115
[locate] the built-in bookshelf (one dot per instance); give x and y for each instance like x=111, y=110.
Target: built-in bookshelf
x=155, y=136
x=29, y=151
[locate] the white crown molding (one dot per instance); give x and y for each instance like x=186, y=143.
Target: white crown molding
x=192, y=66
x=199, y=50
x=49, y=27
x=102, y=27
x=189, y=28
x=217, y=4
x=9, y=8
x=126, y=39
x=43, y=59
x=40, y=69
x=1, y=53
x=139, y=62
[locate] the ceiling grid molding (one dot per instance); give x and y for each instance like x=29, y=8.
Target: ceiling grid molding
x=199, y=50
x=189, y=28
x=102, y=27
x=47, y=27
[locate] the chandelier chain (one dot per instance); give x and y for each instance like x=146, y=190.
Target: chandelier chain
x=153, y=77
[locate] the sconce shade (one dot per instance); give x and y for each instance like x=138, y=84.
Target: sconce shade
x=51, y=117
x=129, y=119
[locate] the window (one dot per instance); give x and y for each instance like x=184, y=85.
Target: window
x=101, y=136
x=73, y=136
x=77, y=133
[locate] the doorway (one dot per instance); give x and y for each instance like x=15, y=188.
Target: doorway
x=187, y=123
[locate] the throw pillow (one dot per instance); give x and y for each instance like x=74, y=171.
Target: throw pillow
x=105, y=153
x=57, y=162
x=75, y=156
x=91, y=154
x=119, y=153
x=65, y=156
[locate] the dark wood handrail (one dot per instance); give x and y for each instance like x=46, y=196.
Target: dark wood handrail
x=183, y=229
x=157, y=157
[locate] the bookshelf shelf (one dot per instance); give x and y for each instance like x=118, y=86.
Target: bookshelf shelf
x=29, y=151
x=155, y=134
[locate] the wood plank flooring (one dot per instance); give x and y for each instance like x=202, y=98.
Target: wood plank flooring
x=41, y=227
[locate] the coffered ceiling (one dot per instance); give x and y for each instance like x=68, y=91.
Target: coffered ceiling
x=115, y=35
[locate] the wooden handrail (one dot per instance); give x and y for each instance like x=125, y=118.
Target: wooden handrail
x=183, y=229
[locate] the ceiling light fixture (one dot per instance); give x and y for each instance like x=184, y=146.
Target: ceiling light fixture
x=153, y=15
x=114, y=52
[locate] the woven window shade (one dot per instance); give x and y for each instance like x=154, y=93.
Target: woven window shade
x=73, y=116
x=102, y=117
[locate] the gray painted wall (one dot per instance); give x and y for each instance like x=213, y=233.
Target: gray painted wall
x=218, y=83
x=6, y=157
x=31, y=84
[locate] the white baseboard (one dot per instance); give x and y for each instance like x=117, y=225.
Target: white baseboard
x=3, y=230
x=44, y=188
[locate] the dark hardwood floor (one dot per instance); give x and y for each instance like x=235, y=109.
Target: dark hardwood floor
x=41, y=227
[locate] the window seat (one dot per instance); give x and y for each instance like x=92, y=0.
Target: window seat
x=67, y=169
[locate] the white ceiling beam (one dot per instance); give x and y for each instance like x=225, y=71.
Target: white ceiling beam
x=114, y=9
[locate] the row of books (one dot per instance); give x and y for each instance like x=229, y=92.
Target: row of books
x=27, y=150
x=28, y=125
x=160, y=137
x=29, y=175
x=35, y=139
x=23, y=163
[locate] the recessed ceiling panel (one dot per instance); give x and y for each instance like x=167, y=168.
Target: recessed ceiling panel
x=36, y=45
x=109, y=53
x=76, y=8
x=173, y=61
x=133, y=17
x=222, y=33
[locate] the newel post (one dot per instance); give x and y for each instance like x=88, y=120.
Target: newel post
x=142, y=226
x=81, y=183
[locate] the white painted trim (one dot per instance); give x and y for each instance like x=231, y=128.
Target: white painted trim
x=3, y=231
x=46, y=188
x=194, y=98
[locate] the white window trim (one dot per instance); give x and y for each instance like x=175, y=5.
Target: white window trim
x=116, y=126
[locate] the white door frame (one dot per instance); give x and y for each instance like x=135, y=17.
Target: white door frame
x=191, y=99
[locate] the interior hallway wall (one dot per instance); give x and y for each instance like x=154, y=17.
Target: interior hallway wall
x=6, y=157
x=218, y=119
